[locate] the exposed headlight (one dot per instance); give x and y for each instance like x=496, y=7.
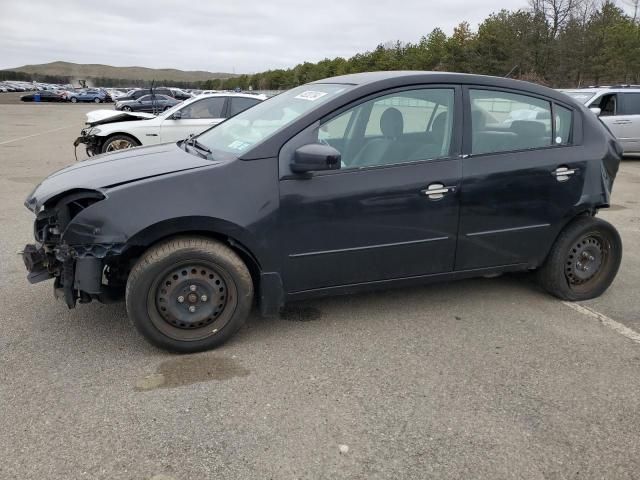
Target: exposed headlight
x=94, y=131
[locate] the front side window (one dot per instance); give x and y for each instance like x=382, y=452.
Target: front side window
x=503, y=122
x=608, y=105
x=396, y=128
x=205, y=108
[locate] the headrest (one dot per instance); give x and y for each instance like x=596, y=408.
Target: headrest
x=391, y=123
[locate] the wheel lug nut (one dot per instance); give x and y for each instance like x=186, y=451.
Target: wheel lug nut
x=192, y=309
x=193, y=288
x=180, y=299
x=203, y=298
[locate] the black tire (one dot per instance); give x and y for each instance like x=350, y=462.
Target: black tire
x=110, y=144
x=97, y=100
x=583, y=261
x=73, y=100
x=159, y=291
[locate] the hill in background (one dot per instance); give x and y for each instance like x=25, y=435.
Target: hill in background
x=89, y=71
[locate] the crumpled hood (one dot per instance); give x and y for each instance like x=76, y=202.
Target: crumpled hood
x=115, y=169
x=99, y=117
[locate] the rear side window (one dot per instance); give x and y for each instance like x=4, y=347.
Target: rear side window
x=563, y=119
x=503, y=122
x=631, y=103
x=240, y=104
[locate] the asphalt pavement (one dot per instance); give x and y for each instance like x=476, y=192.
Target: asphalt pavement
x=478, y=379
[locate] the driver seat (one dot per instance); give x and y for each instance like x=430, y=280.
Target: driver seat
x=376, y=151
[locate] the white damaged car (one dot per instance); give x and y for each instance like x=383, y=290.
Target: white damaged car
x=110, y=130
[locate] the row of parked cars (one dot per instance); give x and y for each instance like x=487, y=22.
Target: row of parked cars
x=66, y=93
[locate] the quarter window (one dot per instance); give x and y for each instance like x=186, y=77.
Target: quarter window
x=563, y=125
x=397, y=128
x=503, y=122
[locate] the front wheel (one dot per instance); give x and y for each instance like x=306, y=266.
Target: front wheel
x=126, y=109
x=189, y=294
x=119, y=142
x=584, y=260
x=74, y=100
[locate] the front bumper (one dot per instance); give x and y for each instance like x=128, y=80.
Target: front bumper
x=92, y=142
x=78, y=271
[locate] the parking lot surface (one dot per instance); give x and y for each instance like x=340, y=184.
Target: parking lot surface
x=486, y=378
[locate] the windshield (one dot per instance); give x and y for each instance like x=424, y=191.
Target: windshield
x=582, y=97
x=238, y=134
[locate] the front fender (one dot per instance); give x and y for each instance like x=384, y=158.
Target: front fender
x=237, y=199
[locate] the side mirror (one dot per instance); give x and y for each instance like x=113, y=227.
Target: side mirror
x=315, y=157
x=176, y=115
x=596, y=110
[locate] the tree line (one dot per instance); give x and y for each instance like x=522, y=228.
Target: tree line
x=559, y=43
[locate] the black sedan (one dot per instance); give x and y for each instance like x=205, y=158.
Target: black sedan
x=353, y=183
x=148, y=103
x=44, y=96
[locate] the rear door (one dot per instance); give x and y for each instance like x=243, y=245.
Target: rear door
x=194, y=119
x=521, y=179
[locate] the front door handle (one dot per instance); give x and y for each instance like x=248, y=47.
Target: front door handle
x=562, y=174
x=436, y=191
x=622, y=122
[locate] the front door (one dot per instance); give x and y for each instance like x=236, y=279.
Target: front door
x=193, y=119
x=391, y=211
x=521, y=181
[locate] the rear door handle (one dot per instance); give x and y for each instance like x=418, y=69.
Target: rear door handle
x=562, y=174
x=622, y=122
x=436, y=191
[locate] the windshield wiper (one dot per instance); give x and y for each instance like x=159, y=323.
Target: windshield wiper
x=193, y=141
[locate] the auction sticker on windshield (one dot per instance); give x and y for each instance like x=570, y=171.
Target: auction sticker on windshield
x=310, y=95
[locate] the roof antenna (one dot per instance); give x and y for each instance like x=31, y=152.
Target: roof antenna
x=515, y=67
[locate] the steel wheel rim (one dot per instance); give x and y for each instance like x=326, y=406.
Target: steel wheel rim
x=172, y=315
x=587, y=260
x=120, y=144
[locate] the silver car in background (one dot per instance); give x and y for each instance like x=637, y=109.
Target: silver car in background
x=619, y=109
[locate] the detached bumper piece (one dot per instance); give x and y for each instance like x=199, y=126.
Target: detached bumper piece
x=34, y=260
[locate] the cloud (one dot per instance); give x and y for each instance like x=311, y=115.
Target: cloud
x=244, y=37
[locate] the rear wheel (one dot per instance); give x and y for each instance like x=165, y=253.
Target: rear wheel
x=584, y=260
x=96, y=100
x=189, y=294
x=119, y=142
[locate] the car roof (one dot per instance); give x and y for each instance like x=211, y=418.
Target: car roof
x=231, y=94
x=390, y=79
x=613, y=89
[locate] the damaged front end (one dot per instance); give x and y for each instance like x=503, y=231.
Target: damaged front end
x=89, y=135
x=81, y=271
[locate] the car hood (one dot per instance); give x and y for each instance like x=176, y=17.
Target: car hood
x=114, y=169
x=99, y=117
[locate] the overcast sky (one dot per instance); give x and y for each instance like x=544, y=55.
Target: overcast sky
x=221, y=36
